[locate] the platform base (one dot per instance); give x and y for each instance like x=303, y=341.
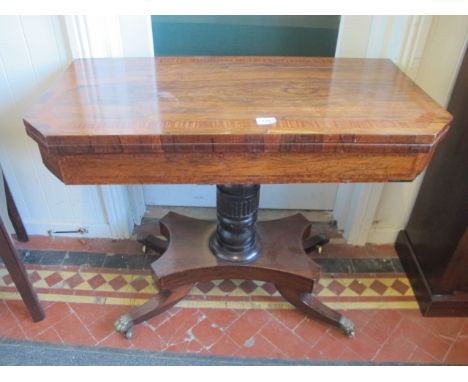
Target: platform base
x=188, y=259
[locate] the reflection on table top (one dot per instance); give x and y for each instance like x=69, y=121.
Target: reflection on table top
x=233, y=101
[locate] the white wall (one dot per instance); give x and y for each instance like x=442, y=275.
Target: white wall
x=435, y=73
x=33, y=53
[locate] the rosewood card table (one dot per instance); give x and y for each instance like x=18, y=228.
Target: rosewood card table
x=236, y=122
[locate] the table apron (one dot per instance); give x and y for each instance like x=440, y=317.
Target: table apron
x=226, y=168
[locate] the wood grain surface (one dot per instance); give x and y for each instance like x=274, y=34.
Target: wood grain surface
x=181, y=113
x=223, y=168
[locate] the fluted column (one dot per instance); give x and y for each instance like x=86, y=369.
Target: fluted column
x=235, y=239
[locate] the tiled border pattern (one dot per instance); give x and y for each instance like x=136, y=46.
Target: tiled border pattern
x=126, y=279
x=107, y=286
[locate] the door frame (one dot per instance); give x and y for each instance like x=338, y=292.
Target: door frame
x=399, y=38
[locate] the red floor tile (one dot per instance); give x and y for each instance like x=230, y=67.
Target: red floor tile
x=156, y=322
x=361, y=343
x=72, y=331
x=222, y=318
x=359, y=317
x=247, y=325
x=285, y=340
x=396, y=349
x=185, y=346
x=335, y=250
x=53, y=313
x=49, y=335
x=80, y=244
x=206, y=333
x=9, y=327
x=89, y=313
x=311, y=330
x=326, y=348
x=385, y=250
x=12, y=331
x=447, y=328
x=382, y=324
x=147, y=339
x=291, y=318
x=458, y=353
x=464, y=329
x=101, y=328
x=351, y=355
x=258, y=346
x=116, y=340
x=418, y=334
x=420, y=356
x=175, y=329
x=224, y=346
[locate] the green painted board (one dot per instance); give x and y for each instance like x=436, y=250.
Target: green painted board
x=245, y=35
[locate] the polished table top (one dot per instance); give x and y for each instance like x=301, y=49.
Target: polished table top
x=251, y=119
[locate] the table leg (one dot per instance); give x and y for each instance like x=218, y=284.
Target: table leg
x=18, y=273
x=14, y=215
x=309, y=305
x=154, y=306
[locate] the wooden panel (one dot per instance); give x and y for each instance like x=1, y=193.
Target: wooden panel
x=438, y=222
x=434, y=245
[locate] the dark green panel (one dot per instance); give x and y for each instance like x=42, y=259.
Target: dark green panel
x=245, y=35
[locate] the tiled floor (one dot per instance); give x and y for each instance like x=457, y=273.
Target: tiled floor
x=85, y=285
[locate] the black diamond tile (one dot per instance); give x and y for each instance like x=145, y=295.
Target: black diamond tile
x=136, y=261
x=52, y=258
x=374, y=265
x=96, y=259
x=335, y=265
x=397, y=265
x=116, y=261
x=31, y=257
x=76, y=258
x=148, y=260
x=147, y=220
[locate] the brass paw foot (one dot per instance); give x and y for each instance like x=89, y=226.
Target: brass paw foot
x=124, y=325
x=348, y=326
